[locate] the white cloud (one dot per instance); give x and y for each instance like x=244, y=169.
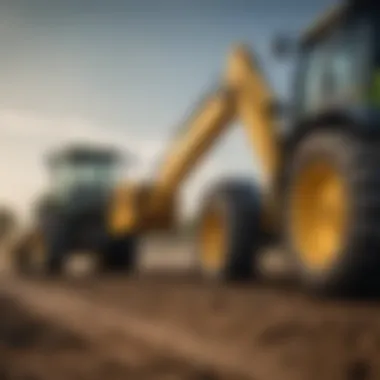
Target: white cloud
x=24, y=138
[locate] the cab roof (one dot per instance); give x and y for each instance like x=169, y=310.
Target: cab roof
x=83, y=152
x=334, y=15
x=324, y=23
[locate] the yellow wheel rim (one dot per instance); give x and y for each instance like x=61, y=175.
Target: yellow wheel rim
x=213, y=240
x=318, y=214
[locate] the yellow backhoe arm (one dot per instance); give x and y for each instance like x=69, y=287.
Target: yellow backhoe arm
x=187, y=150
x=246, y=96
x=253, y=101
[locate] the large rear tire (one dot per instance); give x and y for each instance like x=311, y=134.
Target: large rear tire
x=230, y=232
x=332, y=212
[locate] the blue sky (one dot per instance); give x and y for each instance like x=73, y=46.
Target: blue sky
x=129, y=69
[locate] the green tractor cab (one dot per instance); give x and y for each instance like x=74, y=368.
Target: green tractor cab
x=71, y=215
x=83, y=174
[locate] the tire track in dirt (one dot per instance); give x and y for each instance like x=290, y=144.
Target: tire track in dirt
x=34, y=348
x=257, y=331
x=111, y=327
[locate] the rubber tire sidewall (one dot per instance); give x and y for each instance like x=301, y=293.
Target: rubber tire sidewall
x=239, y=201
x=341, y=149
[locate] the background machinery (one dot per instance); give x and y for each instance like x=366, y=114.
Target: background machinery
x=71, y=215
x=319, y=195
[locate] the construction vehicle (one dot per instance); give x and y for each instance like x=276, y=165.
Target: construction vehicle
x=319, y=194
x=318, y=197
x=70, y=216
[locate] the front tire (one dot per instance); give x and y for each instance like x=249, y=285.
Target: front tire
x=230, y=232
x=332, y=212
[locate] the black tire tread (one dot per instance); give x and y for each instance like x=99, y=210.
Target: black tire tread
x=360, y=260
x=244, y=233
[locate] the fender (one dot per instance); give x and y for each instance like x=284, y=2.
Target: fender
x=363, y=122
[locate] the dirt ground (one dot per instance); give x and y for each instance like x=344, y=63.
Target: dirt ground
x=174, y=326
x=32, y=348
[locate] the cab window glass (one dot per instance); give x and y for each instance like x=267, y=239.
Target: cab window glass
x=334, y=69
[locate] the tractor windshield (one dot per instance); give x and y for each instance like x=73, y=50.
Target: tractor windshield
x=334, y=69
x=91, y=174
x=99, y=174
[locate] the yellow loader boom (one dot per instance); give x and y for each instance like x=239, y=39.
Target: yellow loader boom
x=253, y=102
x=244, y=94
x=188, y=149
